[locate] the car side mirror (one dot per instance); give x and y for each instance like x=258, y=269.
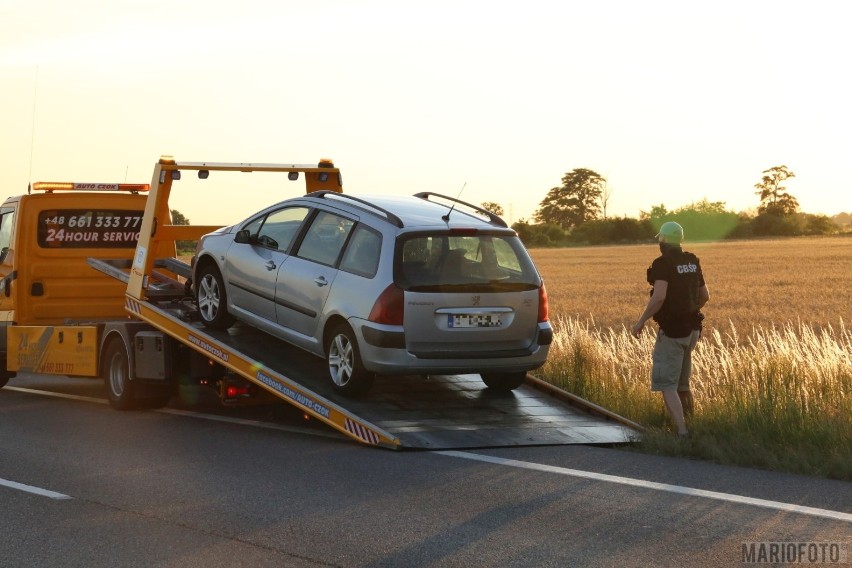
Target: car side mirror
x=242, y=237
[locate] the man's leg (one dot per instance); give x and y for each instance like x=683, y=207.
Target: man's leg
x=686, y=402
x=670, y=396
x=684, y=392
x=666, y=371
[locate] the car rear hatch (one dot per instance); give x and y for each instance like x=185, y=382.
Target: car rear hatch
x=468, y=294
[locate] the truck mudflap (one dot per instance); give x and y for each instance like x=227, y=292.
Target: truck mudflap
x=316, y=406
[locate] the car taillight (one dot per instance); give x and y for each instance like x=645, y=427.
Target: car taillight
x=542, y=304
x=388, y=308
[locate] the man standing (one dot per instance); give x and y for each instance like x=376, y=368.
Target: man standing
x=677, y=296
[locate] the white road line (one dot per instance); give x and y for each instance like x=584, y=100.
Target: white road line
x=173, y=411
x=740, y=499
x=32, y=489
x=58, y=395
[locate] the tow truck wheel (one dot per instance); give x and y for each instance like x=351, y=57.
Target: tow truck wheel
x=116, y=374
x=211, y=298
x=347, y=372
x=4, y=378
x=503, y=381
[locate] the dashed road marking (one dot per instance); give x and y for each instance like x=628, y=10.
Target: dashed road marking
x=33, y=489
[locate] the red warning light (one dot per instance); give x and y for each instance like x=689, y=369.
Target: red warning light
x=234, y=391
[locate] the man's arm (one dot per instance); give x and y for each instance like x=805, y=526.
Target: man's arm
x=703, y=296
x=654, y=305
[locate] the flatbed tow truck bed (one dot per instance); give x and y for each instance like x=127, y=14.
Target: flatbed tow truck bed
x=441, y=412
x=431, y=412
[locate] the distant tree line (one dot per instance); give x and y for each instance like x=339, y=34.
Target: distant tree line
x=575, y=213
x=178, y=218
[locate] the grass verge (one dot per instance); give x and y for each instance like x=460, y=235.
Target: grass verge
x=778, y=400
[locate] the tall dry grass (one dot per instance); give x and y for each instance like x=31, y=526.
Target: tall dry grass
x=772, y=381
x=780, y=400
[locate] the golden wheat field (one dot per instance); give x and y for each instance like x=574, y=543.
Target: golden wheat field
x=757, y=283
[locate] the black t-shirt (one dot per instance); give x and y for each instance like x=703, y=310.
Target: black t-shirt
x=680, y=314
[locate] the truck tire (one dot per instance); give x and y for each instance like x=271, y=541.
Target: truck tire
x=5, y=374
x=211, y=298
x=347, y=372
x=116, y=373
x=503, y=381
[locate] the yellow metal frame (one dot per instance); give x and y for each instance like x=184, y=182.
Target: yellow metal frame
x=269, y=379
x=323, y=176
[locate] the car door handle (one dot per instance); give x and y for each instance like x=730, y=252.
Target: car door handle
x=321, y=281
x=270, y=265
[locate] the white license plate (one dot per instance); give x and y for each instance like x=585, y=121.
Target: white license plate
x=474, y=320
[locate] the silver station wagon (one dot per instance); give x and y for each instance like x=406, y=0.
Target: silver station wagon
x=422, y=284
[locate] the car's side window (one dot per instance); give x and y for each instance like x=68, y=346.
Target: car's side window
x=280, y=227
x=362, y=253
x=325, y=238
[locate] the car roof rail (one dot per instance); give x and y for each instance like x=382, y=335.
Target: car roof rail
x=492, y=218
x=374, y=209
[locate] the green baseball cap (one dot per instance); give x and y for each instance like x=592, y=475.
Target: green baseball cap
x=670, y=232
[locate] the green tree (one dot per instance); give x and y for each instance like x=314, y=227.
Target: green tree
x=493, y=207
x=543, y=235
x=179, y=219
x=702, y=220
x=656, y=212
x=577, y=200
x=774, y=198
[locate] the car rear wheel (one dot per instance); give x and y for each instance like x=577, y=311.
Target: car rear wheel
x=347, y=372
x=212, y=300
x=503, y=381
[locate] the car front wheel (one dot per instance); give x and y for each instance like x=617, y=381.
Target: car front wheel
x=503, y=381
x=347, y=372
x=212, y=300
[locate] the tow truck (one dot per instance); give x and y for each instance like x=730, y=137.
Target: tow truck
x=91, y=286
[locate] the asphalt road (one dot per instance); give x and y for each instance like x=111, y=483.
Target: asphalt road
x=84, y=485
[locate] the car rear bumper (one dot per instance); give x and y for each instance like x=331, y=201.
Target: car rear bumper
x=383, y=351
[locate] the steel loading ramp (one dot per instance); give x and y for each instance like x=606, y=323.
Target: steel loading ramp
x=435, y=412
x=457, y=412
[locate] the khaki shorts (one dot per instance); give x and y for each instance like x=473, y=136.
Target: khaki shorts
x=672, y=361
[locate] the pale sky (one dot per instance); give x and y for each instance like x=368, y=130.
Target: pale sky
x=671, y=102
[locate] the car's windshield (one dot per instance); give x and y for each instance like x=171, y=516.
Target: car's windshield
x=476, y=262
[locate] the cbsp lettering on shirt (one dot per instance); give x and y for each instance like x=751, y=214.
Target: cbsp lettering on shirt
x=685, y=268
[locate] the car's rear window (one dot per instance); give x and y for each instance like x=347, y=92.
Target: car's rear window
x=476, y=262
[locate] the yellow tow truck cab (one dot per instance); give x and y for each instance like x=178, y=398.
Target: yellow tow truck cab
x=50, y=298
